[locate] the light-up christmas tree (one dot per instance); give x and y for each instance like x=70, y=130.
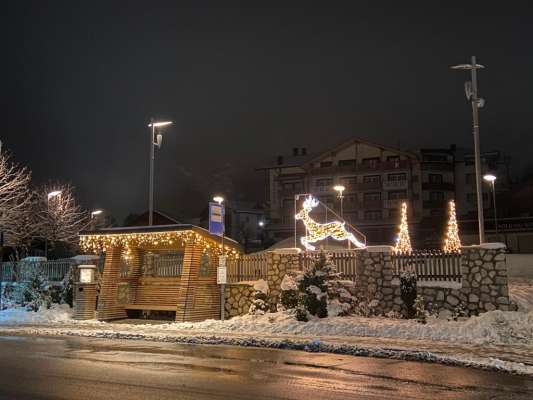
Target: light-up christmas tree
x=403, y=243
x=452, y=243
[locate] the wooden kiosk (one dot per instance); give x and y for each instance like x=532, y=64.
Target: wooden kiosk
x=166, y=271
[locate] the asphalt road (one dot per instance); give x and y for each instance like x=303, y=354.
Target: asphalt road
x=82, y=368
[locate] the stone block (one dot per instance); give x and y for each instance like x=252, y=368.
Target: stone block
x=452, y=300
x=503, y=300
x=486, y=281
x=489, y=307
x=500, y=280
x=472, y=298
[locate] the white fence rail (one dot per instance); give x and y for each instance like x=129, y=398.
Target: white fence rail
x=22, y=271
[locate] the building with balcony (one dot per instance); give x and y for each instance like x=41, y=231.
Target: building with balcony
x=377, y=179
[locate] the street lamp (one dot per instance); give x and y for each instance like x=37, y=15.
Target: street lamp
x=154, y=141
x=492, y=180
x=477, y=103
x=261, y=224
x=218, y=199
x=95, y=213
x=339, y=189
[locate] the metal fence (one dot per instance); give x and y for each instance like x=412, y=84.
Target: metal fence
x=23, y=271
x=249, y=267
x=429, y=265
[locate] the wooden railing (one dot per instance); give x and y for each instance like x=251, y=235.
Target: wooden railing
x=22, y=271
x=344, y=261
x=429, y=265
x=249, y=267
x=164, y=264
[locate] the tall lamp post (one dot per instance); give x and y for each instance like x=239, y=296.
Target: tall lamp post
x=94, y=217
x=339, y=189
x=477, y=103
x=50, y=196
x=154, y=141
x=492, y=180
x=219, y=200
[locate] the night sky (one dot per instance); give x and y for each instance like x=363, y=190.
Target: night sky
x=243, y=84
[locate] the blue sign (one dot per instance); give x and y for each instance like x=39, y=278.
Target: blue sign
x=216, y=219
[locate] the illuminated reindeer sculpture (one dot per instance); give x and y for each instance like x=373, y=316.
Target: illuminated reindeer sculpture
x=317, y=231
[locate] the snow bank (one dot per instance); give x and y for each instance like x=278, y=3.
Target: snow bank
x=521, y=292
x=19, y=316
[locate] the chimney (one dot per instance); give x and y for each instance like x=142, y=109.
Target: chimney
x=303, y=151
x=295, y=151
x=280, y=160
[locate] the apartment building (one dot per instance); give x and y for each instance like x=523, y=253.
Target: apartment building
x=377, y=180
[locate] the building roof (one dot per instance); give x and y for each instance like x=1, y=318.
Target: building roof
x=353, y=141
x=158, y=229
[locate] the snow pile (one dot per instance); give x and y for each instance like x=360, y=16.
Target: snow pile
x=20, y=316
x=261, y=286
x=521, y=292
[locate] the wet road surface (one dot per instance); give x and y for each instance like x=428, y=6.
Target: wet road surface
x=86, y=368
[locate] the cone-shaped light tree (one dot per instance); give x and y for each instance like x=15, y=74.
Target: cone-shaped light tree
x=403, y=242
x=452, y=243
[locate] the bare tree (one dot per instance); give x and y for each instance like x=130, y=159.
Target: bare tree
x=15, y=200
x=59, y=218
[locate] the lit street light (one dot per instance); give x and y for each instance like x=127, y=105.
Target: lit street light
x=261, y=224
x=477, y=103
x=95, y=213
x=218, y=199
x=339, y=189
x=154, y=141
x=492, y=180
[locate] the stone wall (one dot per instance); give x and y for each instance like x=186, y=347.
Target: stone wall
x=239, y=297
x=374, y=279
x=483, y=285
x=279, y=263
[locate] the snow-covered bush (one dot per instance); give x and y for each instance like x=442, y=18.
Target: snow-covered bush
x=289, y=293
x=67, y=287
x=321, y=291
x=408, y=291
x=460, y=311
x=259, y=304
x=37, y=292
x=420, y=311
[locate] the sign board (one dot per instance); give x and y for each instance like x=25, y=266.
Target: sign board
x=221, y=271
x=216, y=219
x=87, y=273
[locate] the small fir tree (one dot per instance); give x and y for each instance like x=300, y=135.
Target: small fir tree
x=67, y=287
x=37, y=292
x=452, y=243
x=403, y=242
x=408, y=291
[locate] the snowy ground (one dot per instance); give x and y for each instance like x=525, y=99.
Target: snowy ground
x=496, y=340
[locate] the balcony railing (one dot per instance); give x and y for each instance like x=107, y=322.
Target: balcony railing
x=394, y=203
x=434, y=203
x=372, y=204
x=437, y=166
x=369, y=186
x=438, y=186
x=395, y=185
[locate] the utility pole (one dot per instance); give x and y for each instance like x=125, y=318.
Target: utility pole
x=151, y=189
x=477, y=103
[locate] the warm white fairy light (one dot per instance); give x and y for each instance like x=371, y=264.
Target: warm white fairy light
x=452, y=243
x=101, y=242
x=317, y=231
x=403, y=242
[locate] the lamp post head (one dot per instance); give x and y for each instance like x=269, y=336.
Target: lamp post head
x=467, y=66
x=218, y=199
x=159, y=124
x=489, y=178
x=96, y=212
x=339, y=189
x=261, y=224
x=54, y=194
